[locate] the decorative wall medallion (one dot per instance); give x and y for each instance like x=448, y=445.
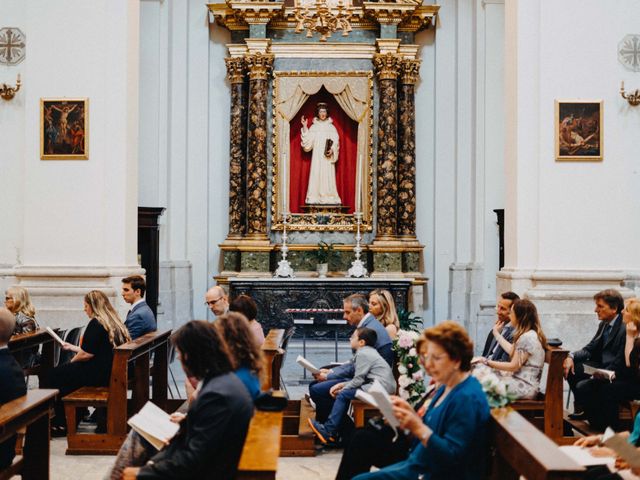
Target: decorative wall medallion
x=629, y=52
x=12, y=46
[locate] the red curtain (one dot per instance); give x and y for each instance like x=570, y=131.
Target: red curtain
x=300, y=161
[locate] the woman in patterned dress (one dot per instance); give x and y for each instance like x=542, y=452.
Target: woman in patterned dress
x=523, y=371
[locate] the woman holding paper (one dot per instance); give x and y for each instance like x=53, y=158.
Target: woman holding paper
x=91, y=365
x=452, y=435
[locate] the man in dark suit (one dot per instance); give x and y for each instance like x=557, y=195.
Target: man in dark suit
x=356, y=313
x=212, y=435
x=492, y=349
x=593, y=399
x=140, y=319
x=12, y=384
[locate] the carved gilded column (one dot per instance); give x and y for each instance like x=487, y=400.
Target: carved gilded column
x=407, y=148
x=259, y=66
x=386, y=66
x=236, y=69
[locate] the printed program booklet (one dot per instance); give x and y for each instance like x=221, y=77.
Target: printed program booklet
x=55, y=336
x=600, y=373
x=303, y=362
x=154, y=425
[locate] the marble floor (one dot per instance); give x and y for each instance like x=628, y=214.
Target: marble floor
x=94, y=467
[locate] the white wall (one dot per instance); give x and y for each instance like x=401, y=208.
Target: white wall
x=571, y=226
x=459, y=145
x=73, y=223
x=184, y=145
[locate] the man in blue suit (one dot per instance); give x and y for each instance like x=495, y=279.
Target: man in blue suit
x=356, y=313
x=140, y=319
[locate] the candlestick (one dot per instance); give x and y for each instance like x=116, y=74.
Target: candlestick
x=357, y=269
x=359, y=185
x=284, y=269
x=285, y=203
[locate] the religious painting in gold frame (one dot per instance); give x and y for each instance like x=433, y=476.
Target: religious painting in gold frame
x=348, y=97
x=64, y=128
x=579, y=130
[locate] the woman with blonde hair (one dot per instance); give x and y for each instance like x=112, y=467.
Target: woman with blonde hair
x=91, y=365
x=382, y=306
x=18, y=302
x=526, y=353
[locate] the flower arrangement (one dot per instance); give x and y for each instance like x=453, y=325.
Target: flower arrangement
x=496, y=390
x=411, y=375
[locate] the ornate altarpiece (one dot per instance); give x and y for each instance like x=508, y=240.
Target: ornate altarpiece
x=370, y=76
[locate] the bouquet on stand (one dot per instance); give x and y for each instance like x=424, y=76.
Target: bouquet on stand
x=411, y=378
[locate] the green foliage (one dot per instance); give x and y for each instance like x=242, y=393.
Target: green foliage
x=409, y=321
x=325, y=252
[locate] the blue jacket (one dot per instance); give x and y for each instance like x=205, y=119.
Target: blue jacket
x=383, y=346
x=457, y=449
x=140, y=320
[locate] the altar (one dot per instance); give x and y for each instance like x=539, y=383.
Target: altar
x=274, y=296
x=322, y=147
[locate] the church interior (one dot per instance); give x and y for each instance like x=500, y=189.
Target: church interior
x=302, y=151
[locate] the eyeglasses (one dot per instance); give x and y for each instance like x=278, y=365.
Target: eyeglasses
x=211, y=303
x=8, y=298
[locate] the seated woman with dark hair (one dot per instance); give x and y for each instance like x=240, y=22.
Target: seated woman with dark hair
x=452, y=436
x=245, y=352
x=245, y=305
x=212, y=434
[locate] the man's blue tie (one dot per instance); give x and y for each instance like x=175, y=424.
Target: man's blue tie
x=605, y=333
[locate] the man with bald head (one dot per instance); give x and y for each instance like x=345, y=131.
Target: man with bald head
x=12, y=383
x=216, y=299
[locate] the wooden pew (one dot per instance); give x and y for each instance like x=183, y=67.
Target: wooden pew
x=261, y=450
x=114, y=397
x=27, y=341
x=549, y=404
x=31, y=411
x=521, y=449
x=271, y=350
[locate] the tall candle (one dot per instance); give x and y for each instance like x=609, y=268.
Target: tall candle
x=359, y=184
x=285, y=193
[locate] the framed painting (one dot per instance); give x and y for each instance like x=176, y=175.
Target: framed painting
x=64, y=129
x=578, y=130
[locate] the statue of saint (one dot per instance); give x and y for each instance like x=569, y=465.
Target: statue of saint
x=322, y=139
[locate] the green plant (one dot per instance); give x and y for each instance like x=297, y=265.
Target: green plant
x=325, y=252
x=409, y=321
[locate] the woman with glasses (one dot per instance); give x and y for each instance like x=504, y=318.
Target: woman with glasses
x=450, y=440
x=18, y=302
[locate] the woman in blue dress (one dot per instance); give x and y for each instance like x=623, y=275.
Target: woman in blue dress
x=451, y=439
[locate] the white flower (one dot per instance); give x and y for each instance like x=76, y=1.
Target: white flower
x=418, y=375
x=413, y=352
x=402, y=369
x=501, y=389
x=404, y=394
x=404, y=381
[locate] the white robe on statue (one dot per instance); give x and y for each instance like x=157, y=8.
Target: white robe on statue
x=322, y=177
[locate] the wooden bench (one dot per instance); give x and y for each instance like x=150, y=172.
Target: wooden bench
x=549, y=404
x=297, y=440
x=261, y=450
x=31, y=411
x=519, y=448
x=271, y=351
x=28, y=341
x=114, y=397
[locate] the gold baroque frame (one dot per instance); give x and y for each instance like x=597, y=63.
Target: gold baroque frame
x=322, y=221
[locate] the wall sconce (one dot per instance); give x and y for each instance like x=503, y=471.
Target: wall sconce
x=7, y=92
x=633, y=97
